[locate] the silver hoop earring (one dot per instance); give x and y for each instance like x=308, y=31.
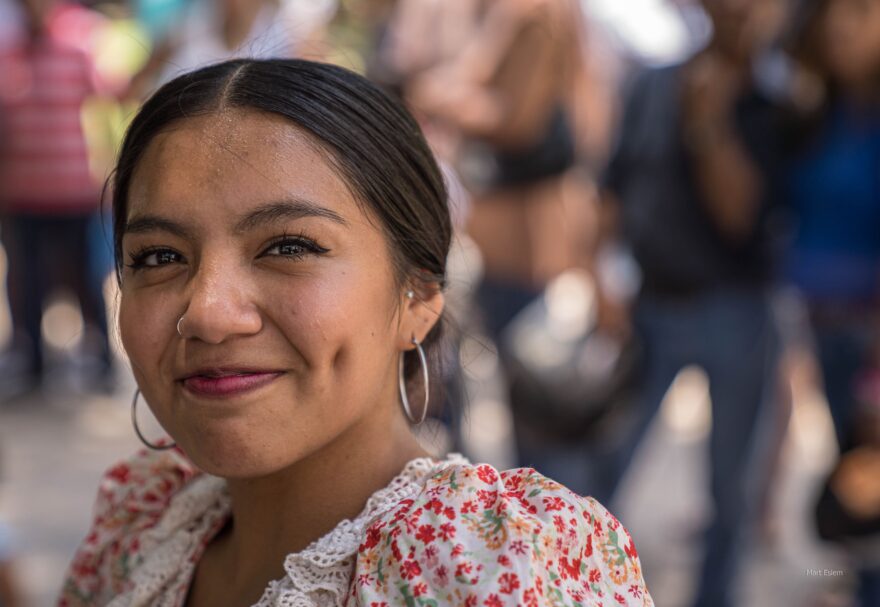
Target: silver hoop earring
x=402, y=383
x=180, y=320
x=134, y=422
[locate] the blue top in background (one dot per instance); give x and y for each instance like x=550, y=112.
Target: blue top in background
x=834, y=190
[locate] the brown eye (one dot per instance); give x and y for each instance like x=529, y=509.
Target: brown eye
x=154, y=258
x=294, y=248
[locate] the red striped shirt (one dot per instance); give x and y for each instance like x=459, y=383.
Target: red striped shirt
x=44, y=162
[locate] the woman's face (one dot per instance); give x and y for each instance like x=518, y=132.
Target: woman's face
x=292, y=318
x=850, y=40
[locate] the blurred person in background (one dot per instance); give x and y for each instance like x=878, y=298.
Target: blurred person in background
x=48, y=197
x=833, y=187
x=690, y=189
x=493, y=82
x=209, y=31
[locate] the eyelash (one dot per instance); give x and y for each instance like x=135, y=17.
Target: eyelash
x=306, y=245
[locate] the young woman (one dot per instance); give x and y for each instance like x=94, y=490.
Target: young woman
x=281, y=238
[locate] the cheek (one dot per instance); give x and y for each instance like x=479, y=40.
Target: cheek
x=340, y=325
x=144, y=330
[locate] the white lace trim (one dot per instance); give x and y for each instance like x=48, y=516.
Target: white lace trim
x=317, y=576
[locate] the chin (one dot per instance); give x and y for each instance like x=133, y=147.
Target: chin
x=236, y=459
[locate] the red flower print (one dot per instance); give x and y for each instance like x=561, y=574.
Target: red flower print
x=588, y=549
x=120, y=473
x=364, y=579
x=470, y=601
x=447, y=531
x=504, y=560
x=595, y=575
x=619, y=598
x=420, y=589
x=412, y=520
x=487, y=497
x=530, y=599
x=509, y=582
x=449, y=512
x=630, y=549
x=442, y=575
x=487, y=474
x=613, y=523
x=493, y=601
x=395, y=550
x=410, y=569
x=558, y=523
x=426, y=534
x=468, y=506
x=635, y=591
x=457, y=550
x=435, y=505
x=553, y=503
x=463, y=568
x=570, y=569
x=378, y=604
x=373, y=536
x=519, y=547
x=401, y=512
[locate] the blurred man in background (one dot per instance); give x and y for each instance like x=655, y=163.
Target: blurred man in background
x=48, y=197
x=690, y=190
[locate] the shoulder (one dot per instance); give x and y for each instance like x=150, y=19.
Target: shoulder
x=478, y=536
x=132, y=497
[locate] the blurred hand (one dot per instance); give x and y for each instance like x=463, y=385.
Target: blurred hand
x=856, y=482
x=711, y=87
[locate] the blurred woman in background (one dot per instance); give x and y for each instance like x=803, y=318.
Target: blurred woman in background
x=493, y=82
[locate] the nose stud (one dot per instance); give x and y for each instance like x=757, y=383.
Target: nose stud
x=179, y=320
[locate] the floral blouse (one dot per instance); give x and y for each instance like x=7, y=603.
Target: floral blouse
x=443, y=533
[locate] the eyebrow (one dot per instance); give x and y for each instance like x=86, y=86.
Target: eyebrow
x=143, y=224
x=293, y=208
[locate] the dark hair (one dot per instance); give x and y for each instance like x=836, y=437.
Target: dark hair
x=372, y=141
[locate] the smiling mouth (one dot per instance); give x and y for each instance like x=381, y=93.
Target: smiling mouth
x=227, y=384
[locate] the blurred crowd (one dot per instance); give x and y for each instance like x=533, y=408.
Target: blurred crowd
x=703, y=191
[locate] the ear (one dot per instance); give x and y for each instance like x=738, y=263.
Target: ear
x=420, y=310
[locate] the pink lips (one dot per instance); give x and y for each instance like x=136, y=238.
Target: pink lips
x=228, y=385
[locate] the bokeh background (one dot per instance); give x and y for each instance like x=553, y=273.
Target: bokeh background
x=665, y=286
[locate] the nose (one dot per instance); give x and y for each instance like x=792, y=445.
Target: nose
x=221, y=306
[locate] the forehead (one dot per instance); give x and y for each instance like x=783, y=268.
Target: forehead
x=221, y=164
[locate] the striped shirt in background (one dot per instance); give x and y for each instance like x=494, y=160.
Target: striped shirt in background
x=44, y=161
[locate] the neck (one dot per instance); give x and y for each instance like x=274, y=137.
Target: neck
x=283, y=513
